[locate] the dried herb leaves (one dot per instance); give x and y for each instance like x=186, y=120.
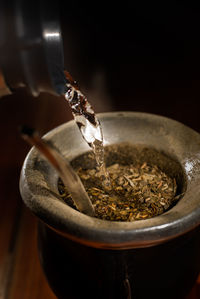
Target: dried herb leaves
x=138, y=192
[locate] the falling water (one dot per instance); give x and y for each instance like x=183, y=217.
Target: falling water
x=88, y=124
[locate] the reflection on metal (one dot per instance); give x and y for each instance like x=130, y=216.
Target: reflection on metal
x=51, y=35
x=128, y=288
x=191, y=166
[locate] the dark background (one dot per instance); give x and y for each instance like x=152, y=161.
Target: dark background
x=143, y=56
x=140, y=57
x=147, y=52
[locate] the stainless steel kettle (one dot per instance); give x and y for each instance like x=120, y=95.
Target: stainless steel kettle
x=31, y=51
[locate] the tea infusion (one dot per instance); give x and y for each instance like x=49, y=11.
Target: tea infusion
x=118, y=192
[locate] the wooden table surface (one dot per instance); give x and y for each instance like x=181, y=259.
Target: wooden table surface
x=21, y=276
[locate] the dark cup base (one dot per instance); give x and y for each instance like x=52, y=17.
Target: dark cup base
x=168, y=270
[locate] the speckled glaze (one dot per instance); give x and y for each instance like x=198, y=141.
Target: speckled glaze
x=67, y=228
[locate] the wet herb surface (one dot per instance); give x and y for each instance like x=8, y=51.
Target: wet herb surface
x=139, y=191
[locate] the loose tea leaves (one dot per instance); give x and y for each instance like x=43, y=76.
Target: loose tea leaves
x=138, y=192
